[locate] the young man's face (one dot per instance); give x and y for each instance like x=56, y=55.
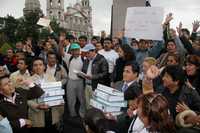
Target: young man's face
x=171, y=61
x=21, y=65
x=168, y=81
x=171, y=47
x=94, y=41
x=38, y=67
x=75, y=52
x=6, y=87
x=10, y=53
x=128, y=74
x=19, y=46
x=52, y=59
x=107, y=45
x=98, y=46
x=90, y=54
x=82, y=42
x=2, y=71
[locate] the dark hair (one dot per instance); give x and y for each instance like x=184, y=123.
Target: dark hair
x=108, y=39
x=171, y=40
x=129, y=54
x=26, y=60
x=186, y=31
x=95, y=38
x=119, y=40
x=176, y=72
x=134, y=65
x=156, y=108
x=51, y=52
x=193, y=59
x=3, y=77
x=92, y=118
x=83, y=37
x=70, y=37
x=176, y=57
x=38, y=59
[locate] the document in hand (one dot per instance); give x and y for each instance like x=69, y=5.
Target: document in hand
x=81, y=74
x=44, y=22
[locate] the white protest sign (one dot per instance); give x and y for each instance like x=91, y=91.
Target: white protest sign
x=43, y=22
x=144, y=23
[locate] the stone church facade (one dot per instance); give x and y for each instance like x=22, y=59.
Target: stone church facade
x=77, y=19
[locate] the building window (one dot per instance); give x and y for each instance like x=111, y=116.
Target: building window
x=59, y=3
x=51, y=3
x=59, y=15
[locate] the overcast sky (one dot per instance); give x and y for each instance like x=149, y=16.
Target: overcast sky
x=184, y=10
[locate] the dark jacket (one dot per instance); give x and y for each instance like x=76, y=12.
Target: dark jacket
x=118, y=70
x=19, y=110
x=99, y=71
x=184, y=94
x=133, y=91
x=195, y=81
x=188, y=46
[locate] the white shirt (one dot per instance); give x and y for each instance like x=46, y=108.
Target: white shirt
x=51, y=70
x=111, y=57
x=76, y=64
x=137, y=126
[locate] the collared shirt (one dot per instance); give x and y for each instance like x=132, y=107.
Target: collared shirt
x=126, y=85
x=89, y=70
x=51, y=70
x=137, y=126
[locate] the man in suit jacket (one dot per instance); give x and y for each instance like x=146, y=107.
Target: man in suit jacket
x=13, y=103
x=132, y=89
x=130, y=85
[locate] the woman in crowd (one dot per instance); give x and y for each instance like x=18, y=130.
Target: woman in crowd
x=193, y=71
x=152, y=115
x=126, y=54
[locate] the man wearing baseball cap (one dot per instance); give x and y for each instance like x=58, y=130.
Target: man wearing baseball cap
x=96, y=69
x=75, y=87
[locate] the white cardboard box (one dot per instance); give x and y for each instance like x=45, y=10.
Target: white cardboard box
x=110, y=91
x=55, y=103
x=107, y=97
x=103, y=107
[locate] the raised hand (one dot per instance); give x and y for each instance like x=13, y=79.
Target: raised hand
x=178, y=29
x=168, y=18
x=195, y=25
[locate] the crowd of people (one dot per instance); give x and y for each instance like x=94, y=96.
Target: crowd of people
x=160, y=81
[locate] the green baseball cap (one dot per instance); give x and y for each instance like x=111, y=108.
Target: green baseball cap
x=74, y=46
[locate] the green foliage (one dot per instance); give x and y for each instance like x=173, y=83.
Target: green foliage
x=19, y=29
x=4, y=48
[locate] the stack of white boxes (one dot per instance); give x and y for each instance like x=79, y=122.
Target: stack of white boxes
x=108, y=100
x=53, y=95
